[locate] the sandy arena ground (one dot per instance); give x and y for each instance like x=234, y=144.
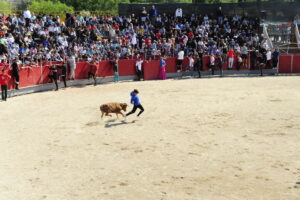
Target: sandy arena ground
x=210, y=139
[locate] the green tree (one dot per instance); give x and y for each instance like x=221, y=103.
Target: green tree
x=5, y=7
x=49, y=7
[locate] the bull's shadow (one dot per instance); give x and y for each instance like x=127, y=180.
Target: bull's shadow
x=109, y=123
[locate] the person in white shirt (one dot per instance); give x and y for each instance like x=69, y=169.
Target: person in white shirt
x=269, y=59
x=191, y=63
x=27, y=17
x=139, y=69
x=72, y=62
x=178, y=13
x=180, y=60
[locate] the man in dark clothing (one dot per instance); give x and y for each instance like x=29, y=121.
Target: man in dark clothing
x=219, y=64
x=198, y=63
x=63, y=69
x=15, y=73
x=53, y=76
x=261, y=63
x=275, y=56
x=253, y=57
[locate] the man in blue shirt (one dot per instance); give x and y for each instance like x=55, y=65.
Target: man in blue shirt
x=136, y=103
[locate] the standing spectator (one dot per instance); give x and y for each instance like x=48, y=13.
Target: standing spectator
x=27, y=17
x=230, y=56
x=115, y=65
x=198, y=64
x=4, y=77
x=153, y=13
x=219, y=63
x=144, y=14
x=63, y=69
x=239, y=62
x=163, y=73
x=191, y=64
x=139, y=69
x=72, y=62
x=244, y=54
x=15, y=73
x=220, y=15
x=253, y=57
x=275, y=56
x=261, y=62
x=178, y=13
x=269, y=59
x=180, y=58
x=53, y=76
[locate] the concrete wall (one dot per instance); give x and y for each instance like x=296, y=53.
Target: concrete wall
x=274, y=10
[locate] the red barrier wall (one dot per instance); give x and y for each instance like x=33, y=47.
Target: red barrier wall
x=288, y=63
x=296, y=64
x=285, y=62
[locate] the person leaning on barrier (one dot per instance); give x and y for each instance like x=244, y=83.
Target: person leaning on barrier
x=15, y=73
x=63, y=74
x=92, y=71
x=53, y=76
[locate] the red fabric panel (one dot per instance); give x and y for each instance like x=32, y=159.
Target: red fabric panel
x=105, y=69
x=81, y=71
x=151, y=69
x=171, y=65
x=127, y=67
x=285, y=64
x=296, y=64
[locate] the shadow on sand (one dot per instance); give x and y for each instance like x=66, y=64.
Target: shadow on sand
x=120, y=123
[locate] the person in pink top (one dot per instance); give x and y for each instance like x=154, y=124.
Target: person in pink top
x=163, y=73
x=230, y=56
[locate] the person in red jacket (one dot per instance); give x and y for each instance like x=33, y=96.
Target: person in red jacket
x=4, y=77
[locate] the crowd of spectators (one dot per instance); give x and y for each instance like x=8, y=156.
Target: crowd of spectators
x=37, y=37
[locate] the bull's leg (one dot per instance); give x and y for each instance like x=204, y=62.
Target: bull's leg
x=102, y=115
x=117, y=115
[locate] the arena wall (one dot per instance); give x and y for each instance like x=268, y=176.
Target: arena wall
x=38, y=76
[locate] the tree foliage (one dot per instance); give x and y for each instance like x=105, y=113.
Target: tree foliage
x=49, y=7
x=5, y=7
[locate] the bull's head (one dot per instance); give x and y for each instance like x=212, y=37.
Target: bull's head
x=124, y=106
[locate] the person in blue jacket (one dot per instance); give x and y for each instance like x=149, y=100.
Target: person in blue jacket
x=136, y=103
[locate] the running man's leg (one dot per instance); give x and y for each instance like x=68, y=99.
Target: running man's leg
x=133, y=111
x=95, y=79
x=141, y=108
x=2, y=92
x=5, y=92
x=64, y=80
x=56, y=84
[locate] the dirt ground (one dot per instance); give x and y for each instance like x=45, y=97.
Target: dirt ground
x=212, y=139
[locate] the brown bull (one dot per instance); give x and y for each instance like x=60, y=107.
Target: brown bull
x=113, y=108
